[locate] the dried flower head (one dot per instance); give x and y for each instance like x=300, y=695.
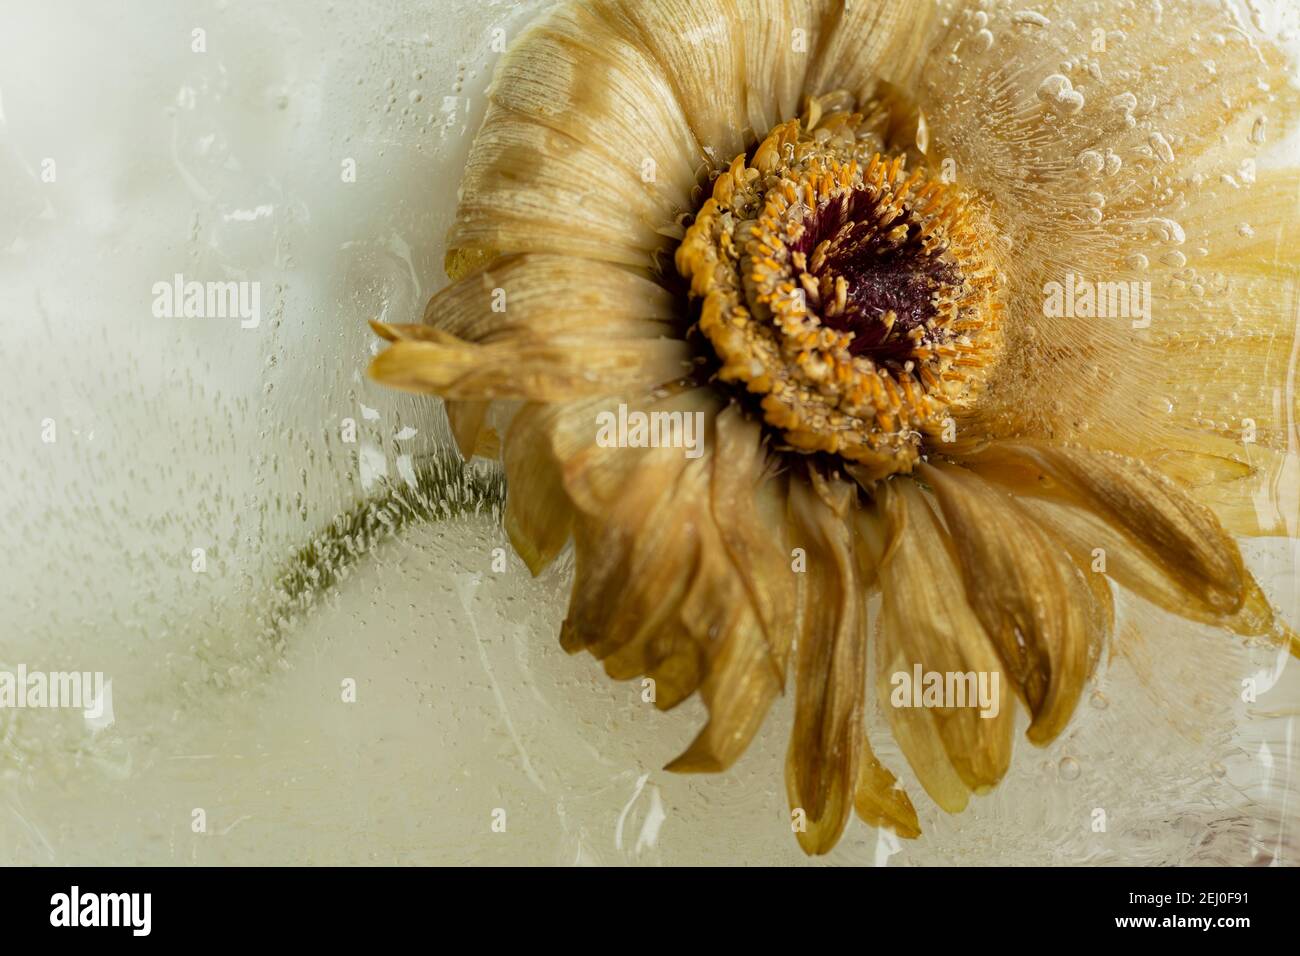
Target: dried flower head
x=984, y=309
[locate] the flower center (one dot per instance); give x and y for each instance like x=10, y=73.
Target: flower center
x=857, y=300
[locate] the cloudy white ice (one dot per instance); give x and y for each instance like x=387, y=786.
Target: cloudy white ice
x=159, y=472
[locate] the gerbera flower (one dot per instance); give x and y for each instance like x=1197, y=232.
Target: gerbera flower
x=984, y=308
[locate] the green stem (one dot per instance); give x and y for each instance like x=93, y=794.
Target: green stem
x=445, y=487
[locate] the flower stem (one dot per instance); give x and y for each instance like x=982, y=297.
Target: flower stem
x=445, y=487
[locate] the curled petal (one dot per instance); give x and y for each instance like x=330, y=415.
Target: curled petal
x=547, y=371
x=926, y=622
x=549, y=296
x=749, y=511
x=1095, y=540
x=1160, y=517
x=585, y=149
x=1032, y=599
x=581, y=72
x=526, y=189
x=658, y=590
x=538, y=516
x=880, y=801
x=827, y=741
x=539, y=328
x=468, y=420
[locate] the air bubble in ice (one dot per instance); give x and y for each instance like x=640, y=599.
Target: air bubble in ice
x=1091, y=162
x=1160, y=146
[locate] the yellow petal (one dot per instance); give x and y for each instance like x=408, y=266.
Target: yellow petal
x=698, y=47
x=632, y=573
x=738, y=691
x=586, y=149
x=1147, y=533
x=1252, y=489
x=528, y=188
x=538, y=516
x=742, y=676
x=580, y=72
x=469, y=427
x=1030, y=596
x=927, y=622
x=869, y=41
x=826, y=744
x=1163, y=520
x=880, y=801
x=780, y=40
x=748, y=508
x=535, y=371
x=659, y=589
x=542, y=328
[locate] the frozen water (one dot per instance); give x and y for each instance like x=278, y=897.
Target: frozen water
x=160, y=478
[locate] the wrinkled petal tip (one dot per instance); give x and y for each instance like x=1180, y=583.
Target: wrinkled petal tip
x=1040, y=733
x=533, y=559
x=393, y=367
x=907, y=829
x=571, y=640
x=690, y=763
x=383, y=330
x=899, y=819
x=699, y=757
x=881, y=802
x=903, y=822
x=819, y=840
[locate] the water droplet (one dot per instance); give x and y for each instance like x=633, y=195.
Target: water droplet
x=1098, y=699
x=1245, y=230
x=1069, y=768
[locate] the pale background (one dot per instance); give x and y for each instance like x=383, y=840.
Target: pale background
x=174, y=434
